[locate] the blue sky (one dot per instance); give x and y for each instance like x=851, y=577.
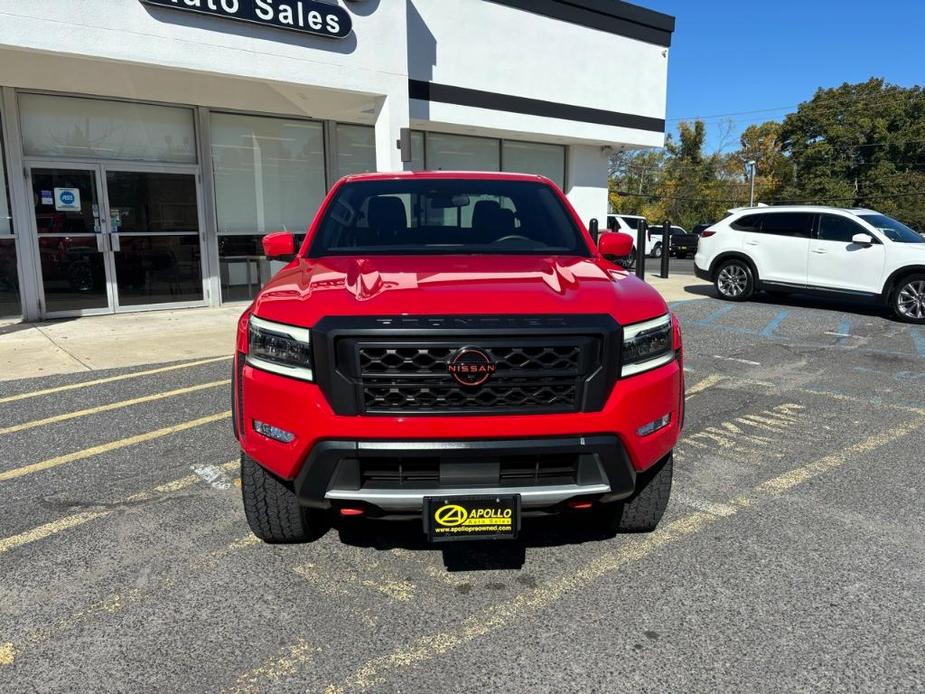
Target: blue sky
x=748, y=55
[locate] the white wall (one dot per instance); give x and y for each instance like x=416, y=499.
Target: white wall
x=500, y=49
x=586, y=182
x=127, y=30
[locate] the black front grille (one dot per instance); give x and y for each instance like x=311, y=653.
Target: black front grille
x=388, y=395
x=533, y=375
x=400, y=365
x=415, y=360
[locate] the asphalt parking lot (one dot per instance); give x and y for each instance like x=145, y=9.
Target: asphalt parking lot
x=791, y=557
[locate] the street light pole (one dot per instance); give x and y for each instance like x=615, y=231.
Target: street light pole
x=750, y=169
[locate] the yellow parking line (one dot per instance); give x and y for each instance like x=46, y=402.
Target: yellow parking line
x=111, y=446
x=113, y=406
x=275, y=669
x=110, y=379
x=7, y=654
x=708, y=382
x=76, y=519
x=426, y=648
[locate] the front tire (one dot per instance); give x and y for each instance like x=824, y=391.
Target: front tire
x=908, y=300
x=642, y=512
x=735, y=280
x=271, y=506
x=657, y=251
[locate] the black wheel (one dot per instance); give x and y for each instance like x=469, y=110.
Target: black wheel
x=908, y=299
x=80, y=277
x=628, y=262
x=642, y=512
x=271, y=506
x=734, y=280
x=657, y=251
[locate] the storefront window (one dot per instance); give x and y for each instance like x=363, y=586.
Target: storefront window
x=439, y=151
x=269, y=176
x=77, y=128
x=462, y=153
x=356, y=149
x=529, y=157
x=9, y=277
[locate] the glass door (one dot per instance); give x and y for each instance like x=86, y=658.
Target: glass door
x=117, y=240
x=154, y=230
x=72, y=242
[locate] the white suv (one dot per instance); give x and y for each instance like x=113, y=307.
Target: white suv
x=816, y=249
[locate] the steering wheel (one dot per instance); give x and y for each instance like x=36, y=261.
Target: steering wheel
x=513, y=237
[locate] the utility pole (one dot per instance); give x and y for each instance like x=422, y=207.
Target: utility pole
x=750, y=172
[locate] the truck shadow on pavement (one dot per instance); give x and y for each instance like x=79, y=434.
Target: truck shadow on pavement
x=861, y=307
x=477, y=555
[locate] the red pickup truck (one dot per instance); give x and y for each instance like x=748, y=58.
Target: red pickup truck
x=454, y=347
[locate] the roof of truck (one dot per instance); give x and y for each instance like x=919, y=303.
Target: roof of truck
x=467, y=175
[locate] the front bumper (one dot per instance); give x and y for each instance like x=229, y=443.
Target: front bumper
x=321, y=435
x=333, y=472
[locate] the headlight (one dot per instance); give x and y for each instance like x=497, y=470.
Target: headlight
x=647, y=345
x=280, y=349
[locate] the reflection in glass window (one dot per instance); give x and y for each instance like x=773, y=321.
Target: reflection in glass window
x=9, y=277
x=529, y=157
x=269, y=173
x=269, y=176
x=57, y=126
x=462, y=153
x=356, y=149
x=141, y=202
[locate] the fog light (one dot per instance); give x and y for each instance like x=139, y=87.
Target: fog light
x=272, y=432
x=652, y=427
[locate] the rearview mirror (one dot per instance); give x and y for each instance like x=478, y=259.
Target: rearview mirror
x=862, y=239
x=615, y=244
x=279, y=245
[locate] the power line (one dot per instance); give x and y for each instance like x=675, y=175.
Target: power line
x=832, y=103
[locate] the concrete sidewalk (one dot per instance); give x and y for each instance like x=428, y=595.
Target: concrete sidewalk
x=28, y=350
x=115, y=341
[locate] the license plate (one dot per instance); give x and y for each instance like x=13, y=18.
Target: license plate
x=472, y=517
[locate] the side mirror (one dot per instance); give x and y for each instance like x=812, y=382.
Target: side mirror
x=862, y=239
x=280, y=245
x=615, y=244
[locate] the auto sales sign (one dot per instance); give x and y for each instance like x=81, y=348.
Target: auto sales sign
x=307, y=16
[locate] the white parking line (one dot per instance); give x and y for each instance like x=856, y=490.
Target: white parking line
x=213, y=475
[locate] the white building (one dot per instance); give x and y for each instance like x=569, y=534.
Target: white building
x=148, y=144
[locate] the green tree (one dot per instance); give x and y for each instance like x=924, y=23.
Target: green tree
x=860, y=145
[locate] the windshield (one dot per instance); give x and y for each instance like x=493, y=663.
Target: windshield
x=892, y=229
x=444, y=216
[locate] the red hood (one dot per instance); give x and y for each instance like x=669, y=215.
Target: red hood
x=308, y=290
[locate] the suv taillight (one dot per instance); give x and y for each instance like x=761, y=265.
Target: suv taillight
x=706, y=234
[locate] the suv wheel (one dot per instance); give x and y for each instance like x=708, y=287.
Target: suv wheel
x=734, y=281
x=657, y=251
x=271, y=506
x=642, y=511
x=909, y=299
x=629, y=262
